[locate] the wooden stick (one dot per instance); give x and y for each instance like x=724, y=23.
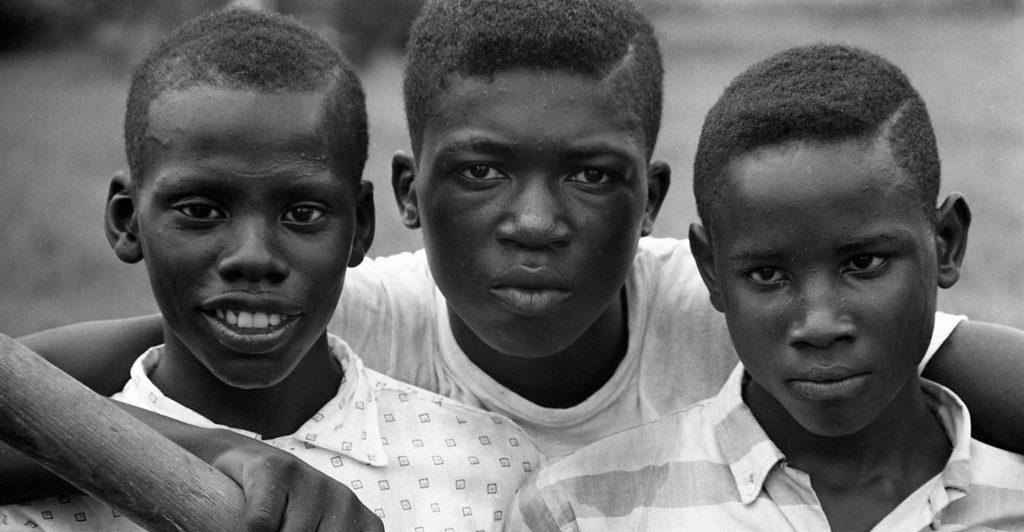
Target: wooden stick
x=107, y=453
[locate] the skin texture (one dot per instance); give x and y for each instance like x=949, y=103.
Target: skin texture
x=532, y=190
x=246, y=233
x=827, y=267
x=238, y=218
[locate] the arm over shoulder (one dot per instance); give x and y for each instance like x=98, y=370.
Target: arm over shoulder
x=387, y=314
x=98, y=354
x=984, y=364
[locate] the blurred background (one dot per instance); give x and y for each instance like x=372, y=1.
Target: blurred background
x=64, y=66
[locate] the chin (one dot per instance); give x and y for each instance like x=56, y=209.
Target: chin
x=540, y=346
x=825, y=429
x=250, y=380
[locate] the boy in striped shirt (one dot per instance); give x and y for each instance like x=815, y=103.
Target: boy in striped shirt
x=816, y=180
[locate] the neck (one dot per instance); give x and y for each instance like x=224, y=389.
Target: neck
x=564, y=379
x=862, y=477
x=270, y=411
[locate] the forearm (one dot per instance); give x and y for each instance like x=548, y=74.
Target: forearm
x=21, y=479
x=98, y=354
x=984, y=364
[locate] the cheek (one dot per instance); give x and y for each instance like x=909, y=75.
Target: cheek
x=454, y=219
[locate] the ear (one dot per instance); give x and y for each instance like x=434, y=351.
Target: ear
x=121, y=222
x=704, y=254
x=952, y=220
x=659, y=176
x=365, y=224
x=403, y=173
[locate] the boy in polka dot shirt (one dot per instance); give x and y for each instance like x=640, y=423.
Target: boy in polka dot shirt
x=246, y=139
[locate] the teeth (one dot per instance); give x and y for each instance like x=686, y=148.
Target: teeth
x=250, y=320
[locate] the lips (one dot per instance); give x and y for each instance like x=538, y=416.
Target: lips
x=250, y=324
x=530, y=301
x=829, y=385
x=530, y=290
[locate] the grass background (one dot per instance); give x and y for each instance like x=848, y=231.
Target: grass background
x=60, y=141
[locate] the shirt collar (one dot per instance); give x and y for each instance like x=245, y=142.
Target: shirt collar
x=348, y=424
x=752, y=456
x=956, y=421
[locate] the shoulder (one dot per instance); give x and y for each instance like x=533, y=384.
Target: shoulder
x=663, y=250
x=664, y=267
x=621, y=473
x=994, y=467
x=387, y=308
x=399, y=269
x=629, y=457
x=995, y=494
x=396, y=398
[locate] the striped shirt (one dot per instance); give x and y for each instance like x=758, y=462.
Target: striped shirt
x=712, y=467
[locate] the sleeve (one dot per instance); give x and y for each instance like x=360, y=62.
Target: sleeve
x=387, y=314
x=529, y=512
x=944, y=325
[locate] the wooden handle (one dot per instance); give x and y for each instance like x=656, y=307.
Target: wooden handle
x=107, y=453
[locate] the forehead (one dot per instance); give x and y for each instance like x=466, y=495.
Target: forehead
x=555, y=108
x=203, y=120
x=810, y=193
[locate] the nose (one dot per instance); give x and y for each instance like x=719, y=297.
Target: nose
x=252, y=253
x=535, y=216
x=820, y=319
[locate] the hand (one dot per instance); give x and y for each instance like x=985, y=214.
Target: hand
x=284, y=493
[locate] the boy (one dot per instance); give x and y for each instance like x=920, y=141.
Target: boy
x=533, y=124
x=816, y=179
x=246, y=139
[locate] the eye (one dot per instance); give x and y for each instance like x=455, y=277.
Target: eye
x=200, y=211
x=480, y=172
x=590, y=176
x=766, y=276
x=303, y=215
x=865, y=263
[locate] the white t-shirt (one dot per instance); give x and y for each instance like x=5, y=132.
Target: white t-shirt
x=393, y=315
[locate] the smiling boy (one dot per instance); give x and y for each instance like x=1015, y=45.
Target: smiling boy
x=246, y=139
x=533, y=124
x=816, y=180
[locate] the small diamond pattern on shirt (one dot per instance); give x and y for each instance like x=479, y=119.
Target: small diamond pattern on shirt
x=420, y=461
x=449, y=467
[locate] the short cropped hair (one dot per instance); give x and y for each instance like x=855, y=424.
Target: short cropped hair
x=254, y=51
x=605, y=39
x=820, y=93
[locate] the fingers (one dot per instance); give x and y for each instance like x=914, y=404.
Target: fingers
x=350, y=515
x=284, y=493
x=266, y=500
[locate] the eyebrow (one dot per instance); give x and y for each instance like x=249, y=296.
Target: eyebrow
x=765, y=254
x=479, y=144
x=873, y=240
x=188, y=184
x=579, y=150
